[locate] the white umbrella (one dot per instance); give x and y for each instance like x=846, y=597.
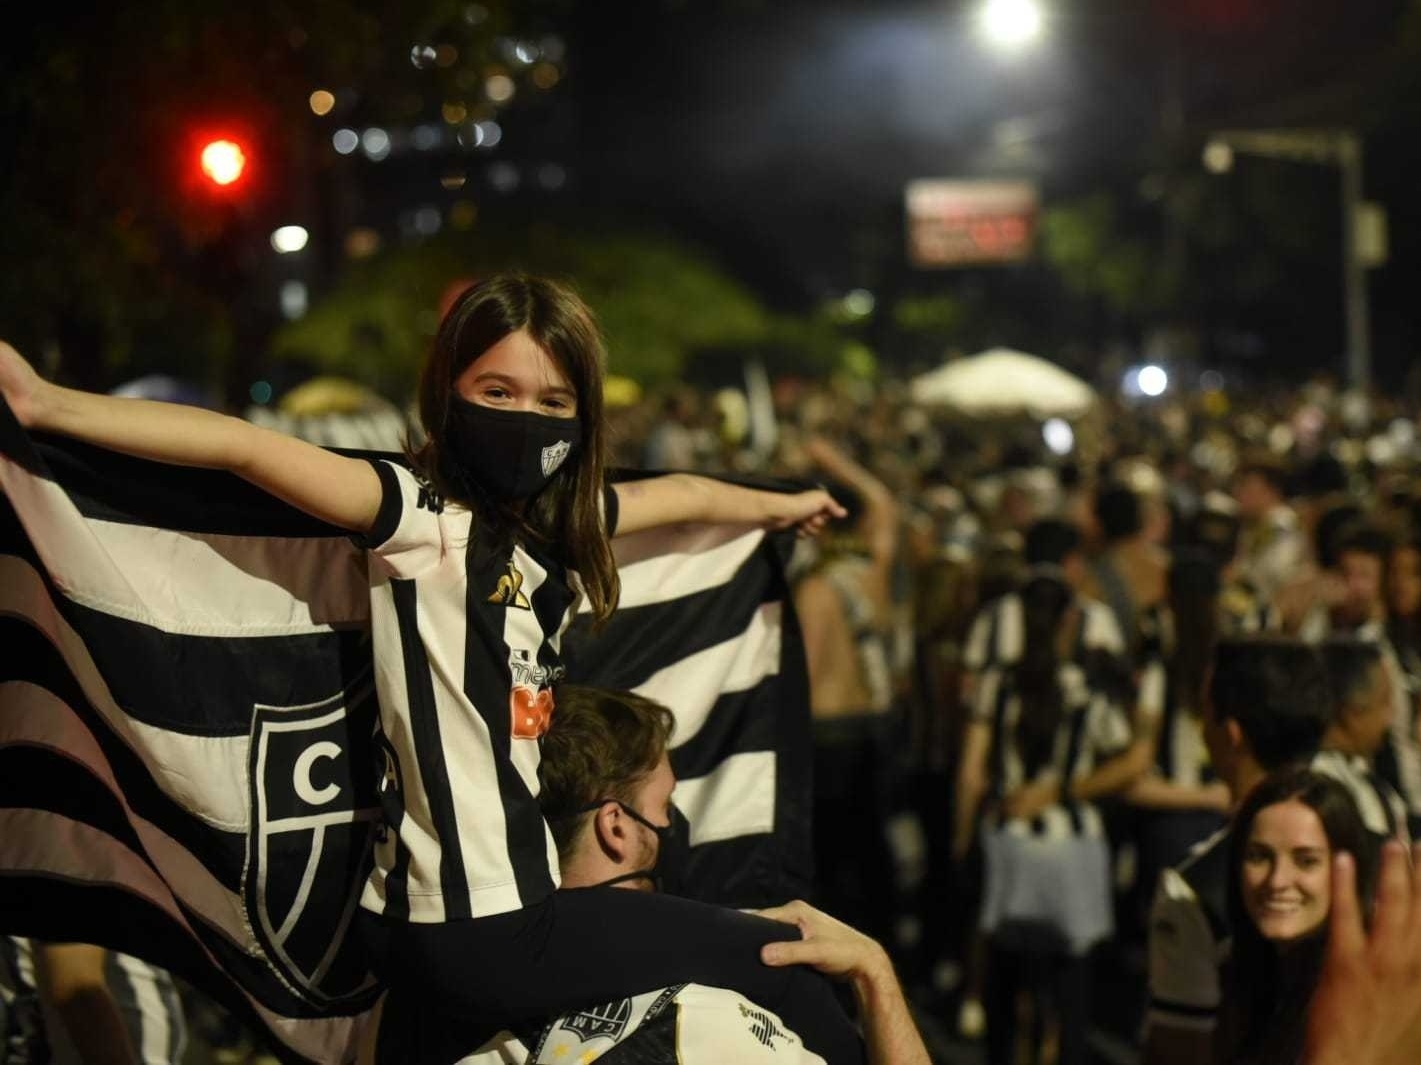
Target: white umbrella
x=1002, y=382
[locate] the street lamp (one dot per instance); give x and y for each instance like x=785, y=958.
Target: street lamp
x=1343, y=149
x=1012, y=23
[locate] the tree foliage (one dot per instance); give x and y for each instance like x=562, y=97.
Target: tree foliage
x=660, y=303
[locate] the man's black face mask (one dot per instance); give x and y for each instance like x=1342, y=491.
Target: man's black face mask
x=667, y=873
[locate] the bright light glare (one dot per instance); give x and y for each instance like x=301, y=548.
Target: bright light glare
x=294, y=300
x=1218, y=157
x=1059, y=436
x=345, y=141
x=376, y=143
x=289, y=239
x=1153, y=380
x=859, y=303
x=223, y=161
x=1011, y=23
x=322, y=101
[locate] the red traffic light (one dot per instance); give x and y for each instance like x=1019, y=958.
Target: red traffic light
x=223, y=162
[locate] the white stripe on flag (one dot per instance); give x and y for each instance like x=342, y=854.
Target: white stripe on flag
x=737, y=798
x=34, y=717
x=206, y=774
x=668, y=563
x=191, y=583
x=692, y=685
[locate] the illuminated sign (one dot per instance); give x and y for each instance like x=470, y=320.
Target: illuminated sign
x=970, y=223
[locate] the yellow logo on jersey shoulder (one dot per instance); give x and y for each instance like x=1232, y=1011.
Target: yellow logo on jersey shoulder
x=507, y=592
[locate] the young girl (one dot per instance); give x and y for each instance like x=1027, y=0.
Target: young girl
x=477, y=558
x=1280, y=898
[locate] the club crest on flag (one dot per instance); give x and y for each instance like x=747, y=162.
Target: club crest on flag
x=314, y=815
x=553, y=456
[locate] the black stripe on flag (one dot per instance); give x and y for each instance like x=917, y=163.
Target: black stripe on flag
x=35, y=660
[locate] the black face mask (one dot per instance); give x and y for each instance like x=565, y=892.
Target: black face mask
x=673, y=843
x=510, y=454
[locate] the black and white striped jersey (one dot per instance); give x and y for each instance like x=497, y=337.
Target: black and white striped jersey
x=1181, y=756
x=999, y=629
x=1093, y=726
x=1382, y=808
x=146, y=997
x=467, y=644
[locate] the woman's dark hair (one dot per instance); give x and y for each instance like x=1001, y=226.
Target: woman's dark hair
x=1194, y=605
x=1044, y=602
x=567, y=513
x=1266, y=991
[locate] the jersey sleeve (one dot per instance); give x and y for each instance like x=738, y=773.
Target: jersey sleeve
x=1183, y=959
x=976, y=652
x=1149, y=703
x=408, y=535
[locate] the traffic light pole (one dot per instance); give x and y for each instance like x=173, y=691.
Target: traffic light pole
x=1354, y=273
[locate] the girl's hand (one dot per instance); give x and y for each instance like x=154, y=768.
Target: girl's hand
x=22, y=387
x=810, y=511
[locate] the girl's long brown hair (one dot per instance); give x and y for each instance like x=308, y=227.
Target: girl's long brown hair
x=567, y=513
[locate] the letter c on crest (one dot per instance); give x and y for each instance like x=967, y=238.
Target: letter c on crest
x=301, y=777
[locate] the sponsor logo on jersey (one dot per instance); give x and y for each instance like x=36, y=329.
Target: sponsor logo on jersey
x=508, y=592
x=763, y=1027
x=554, y=455
x=314, y=816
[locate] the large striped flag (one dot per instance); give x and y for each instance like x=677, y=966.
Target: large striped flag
x=186, y=721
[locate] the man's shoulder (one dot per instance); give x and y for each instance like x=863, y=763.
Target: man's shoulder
x=1204, y=874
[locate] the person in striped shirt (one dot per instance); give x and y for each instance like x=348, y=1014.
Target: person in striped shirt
x=478, y=555
x=1050, y=734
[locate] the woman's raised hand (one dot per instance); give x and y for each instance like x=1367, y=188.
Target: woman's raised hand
x=20, y=385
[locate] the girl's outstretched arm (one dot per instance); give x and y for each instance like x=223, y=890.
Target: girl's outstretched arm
x=678, y=497
x=342, y=491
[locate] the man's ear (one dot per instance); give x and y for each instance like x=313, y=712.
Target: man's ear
x=610, y=824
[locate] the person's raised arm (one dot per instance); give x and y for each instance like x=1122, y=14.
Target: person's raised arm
x=678, y=497
x=72, y=981
x=843, y=953
x=880, y=519
x=343, y=491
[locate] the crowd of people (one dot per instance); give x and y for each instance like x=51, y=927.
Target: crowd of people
x=1157, y=687
x=1067, y=667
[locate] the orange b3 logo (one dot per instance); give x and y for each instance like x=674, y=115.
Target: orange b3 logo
x=532, y=711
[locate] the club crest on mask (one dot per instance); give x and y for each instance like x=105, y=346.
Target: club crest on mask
x=554, y=455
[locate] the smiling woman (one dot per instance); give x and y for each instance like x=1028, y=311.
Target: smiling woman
x=1280, y=898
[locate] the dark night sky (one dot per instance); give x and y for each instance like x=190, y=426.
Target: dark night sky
x=780, y=135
